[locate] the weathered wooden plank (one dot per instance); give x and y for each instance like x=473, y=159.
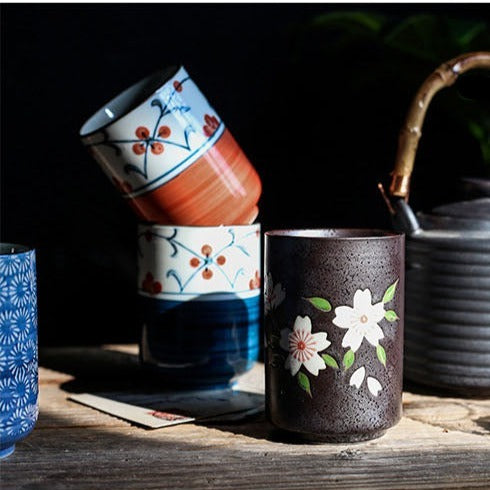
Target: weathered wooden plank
x=440, y=443
x=130, y=460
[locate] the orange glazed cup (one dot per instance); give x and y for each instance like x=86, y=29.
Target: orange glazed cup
x=171, y=156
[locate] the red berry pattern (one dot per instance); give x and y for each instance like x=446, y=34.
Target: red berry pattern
x=151, y=286
x=210, y=126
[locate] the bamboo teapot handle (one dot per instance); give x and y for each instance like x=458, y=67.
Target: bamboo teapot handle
x=411, y=131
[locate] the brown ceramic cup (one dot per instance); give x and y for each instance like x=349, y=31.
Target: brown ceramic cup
x=334, y=332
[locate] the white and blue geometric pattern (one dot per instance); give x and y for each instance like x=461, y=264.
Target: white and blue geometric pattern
x=181, y=263
x=18, y=347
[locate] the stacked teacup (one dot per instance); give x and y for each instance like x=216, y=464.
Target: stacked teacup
x=195, y=192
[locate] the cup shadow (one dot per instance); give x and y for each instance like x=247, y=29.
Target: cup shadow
x=124, y=379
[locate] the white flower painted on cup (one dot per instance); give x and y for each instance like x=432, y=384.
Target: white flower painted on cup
x=16, y=422
x=22, y=387
x=361, y=320
x=21, y=319
x=19, y=290
x=273, y=295
x=374, y=385
x=4, y=296
x=9, y=331
x=9, y=265
x=7, y=399
x=303, y=346
x=18, y=361
x=358, y=377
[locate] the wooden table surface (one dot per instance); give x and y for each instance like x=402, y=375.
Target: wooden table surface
x=441, y=442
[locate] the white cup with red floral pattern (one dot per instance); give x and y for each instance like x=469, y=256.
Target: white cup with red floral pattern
x=170, y=155
x=199, y=291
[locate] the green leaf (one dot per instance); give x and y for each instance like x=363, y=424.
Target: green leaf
x=463, y=31
x=320, y=303
x=304, y=382
x=351, y=21
x=381, y=353
x=390, y=292
x=330, y=361
x=348, y=360
x=391, y=315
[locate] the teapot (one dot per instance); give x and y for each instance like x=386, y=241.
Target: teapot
x=447, y=317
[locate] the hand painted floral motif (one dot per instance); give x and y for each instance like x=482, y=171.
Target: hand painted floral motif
x=146, y=142
x=9, y=331
x=358, y=377
x=178, y=86
x=9, y=265
x=215, y=263
x=303, y=346
x=361, y=320
x=211, y=125
x=374, y=386
x=255, y=281
x=19, y=290
x=7, y=400
x=151, y=286
x=18, y=340
x=16, y=421
x=21, y=320
x=207, y=272
x=22, y=387
x=18, y=361
x=152, y=138
x=273, y=295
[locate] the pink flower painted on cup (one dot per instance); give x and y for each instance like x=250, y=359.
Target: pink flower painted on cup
x=303, y=346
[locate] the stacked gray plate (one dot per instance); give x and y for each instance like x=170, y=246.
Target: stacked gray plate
x=447, y=317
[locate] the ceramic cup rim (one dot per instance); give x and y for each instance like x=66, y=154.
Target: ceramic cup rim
x=339, y=234
x=15, y=249
x=198, y=227
x=150, y=85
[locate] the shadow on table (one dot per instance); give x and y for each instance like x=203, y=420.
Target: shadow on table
x=61, y=455
x=118, y=376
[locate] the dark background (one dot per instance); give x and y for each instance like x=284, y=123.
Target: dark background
x=314, y=95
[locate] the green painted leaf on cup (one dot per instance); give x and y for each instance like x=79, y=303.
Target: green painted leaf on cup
x=381, y=353
x=349, y=358
x=391, y=315
x=330, y=361
x=390, y=292
x=320, y=303
x=304, y=382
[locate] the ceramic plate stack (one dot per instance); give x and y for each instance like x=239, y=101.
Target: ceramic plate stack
x=447, y=319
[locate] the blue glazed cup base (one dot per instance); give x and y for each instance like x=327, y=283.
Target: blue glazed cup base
x=4, y=453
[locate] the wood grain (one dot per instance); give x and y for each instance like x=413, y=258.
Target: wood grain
x=441, y=442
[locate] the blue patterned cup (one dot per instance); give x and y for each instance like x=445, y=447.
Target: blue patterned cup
x=18, y=345
x=199, y=290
